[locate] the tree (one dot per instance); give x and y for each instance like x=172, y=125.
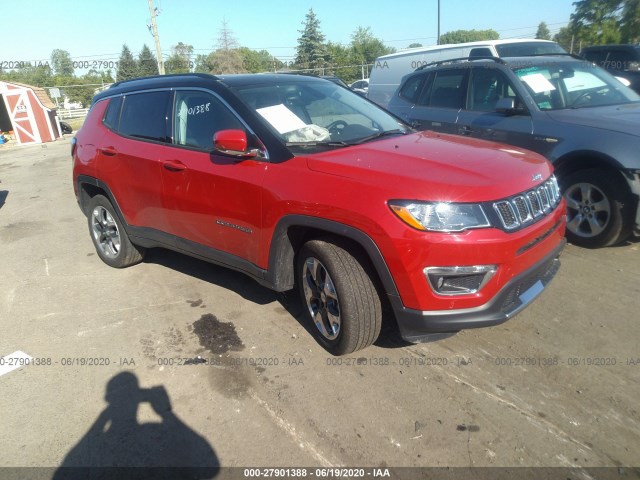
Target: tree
x=180, y=59
x=227, y=58
x=311, y=49
x=127, y=66
x=341, y=61
x=543, y=32
x=203, y=63
x=597, y=21
x=61, y=63
x=147, y=63
x=630, y=22
x=257, y=62
x=463, y=36
x=565, y=38
x=366, y=48
x=414, y=45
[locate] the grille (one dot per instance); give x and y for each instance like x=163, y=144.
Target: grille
x=464, y=282
x=529, y=206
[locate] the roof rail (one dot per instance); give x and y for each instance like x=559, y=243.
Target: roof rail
x=461, y=59
x=200, y=75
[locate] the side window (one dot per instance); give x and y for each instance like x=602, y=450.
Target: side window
x=112, y=115
x=198, y=115
x=447, y=90
x=411, y=88
x=144, y=115
x=486, y=87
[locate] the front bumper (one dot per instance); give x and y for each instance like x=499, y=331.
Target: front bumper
x=416, y=325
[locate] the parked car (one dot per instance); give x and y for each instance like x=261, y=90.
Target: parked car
x=622, y=61
x=569, y=110
x=360, y=86
x=334, y=79
x=294, y=180
x=388, y=70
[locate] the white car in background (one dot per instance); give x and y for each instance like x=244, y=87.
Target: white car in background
x=360, y=86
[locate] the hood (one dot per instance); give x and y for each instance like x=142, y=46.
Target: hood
x=437, y=167
x=618, y=118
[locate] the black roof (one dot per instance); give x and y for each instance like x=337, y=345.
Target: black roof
x=511, y=62
x=200, y=80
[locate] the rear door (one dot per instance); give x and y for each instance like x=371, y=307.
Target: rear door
x=440, y=100
x=136, y=135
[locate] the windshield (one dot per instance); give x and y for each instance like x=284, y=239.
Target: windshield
x=523, y=49
x=318, y=114
x=560, y=85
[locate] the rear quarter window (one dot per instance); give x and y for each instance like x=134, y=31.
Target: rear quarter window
x=145, y=116
x=112, y=115
x=411, y=88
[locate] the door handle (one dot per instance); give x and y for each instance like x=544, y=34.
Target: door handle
x=465, y=130
x=174, y=165
x=109, y=151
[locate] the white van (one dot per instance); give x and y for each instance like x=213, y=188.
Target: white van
x=388, y=70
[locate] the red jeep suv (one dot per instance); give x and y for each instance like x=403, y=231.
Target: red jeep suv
x=294, y=180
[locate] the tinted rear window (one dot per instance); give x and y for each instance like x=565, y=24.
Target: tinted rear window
x=522, y=49
x=112, y=115
x=144, y=115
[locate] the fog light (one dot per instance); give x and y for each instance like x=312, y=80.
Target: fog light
x=459, y=280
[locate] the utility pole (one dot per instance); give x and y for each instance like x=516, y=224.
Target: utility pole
x=438, y=41
x=156, y=37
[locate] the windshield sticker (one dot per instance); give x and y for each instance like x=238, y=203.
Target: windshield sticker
x=538, y=83
x=583, y=81
x=281, y=118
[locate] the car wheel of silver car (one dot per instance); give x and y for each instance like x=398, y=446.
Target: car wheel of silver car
x=108, y=235
x=339, y=296
x=598, y=205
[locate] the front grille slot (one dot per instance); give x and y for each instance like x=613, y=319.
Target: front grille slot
x=534, y=203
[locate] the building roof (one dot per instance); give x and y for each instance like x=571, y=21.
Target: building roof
x=40, y=93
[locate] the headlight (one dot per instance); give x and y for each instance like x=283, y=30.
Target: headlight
x=440, y=217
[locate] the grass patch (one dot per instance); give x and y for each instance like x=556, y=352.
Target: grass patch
x=75, y=123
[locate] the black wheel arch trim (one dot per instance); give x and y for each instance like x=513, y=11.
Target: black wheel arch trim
x=282, y=250
x=280, y=275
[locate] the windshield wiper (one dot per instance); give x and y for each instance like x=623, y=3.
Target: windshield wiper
x=317, y=144
x=386, y=133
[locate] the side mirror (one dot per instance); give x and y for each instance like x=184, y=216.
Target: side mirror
x=234, y=143
x=507, y=106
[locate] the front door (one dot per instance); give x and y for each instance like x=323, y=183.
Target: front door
x=211, y=199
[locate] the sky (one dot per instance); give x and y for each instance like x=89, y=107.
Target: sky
x=92, y=30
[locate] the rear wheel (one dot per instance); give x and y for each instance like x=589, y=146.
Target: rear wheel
x=109, y=237
x=598, y=208
x=339, y=296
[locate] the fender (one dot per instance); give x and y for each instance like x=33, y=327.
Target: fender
x=281, y=273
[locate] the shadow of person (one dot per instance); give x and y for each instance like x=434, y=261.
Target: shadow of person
x=117, y=446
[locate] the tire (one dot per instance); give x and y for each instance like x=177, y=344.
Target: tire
x=66, y=128
x=339, y=296
x=109, y=236
x=599, y=207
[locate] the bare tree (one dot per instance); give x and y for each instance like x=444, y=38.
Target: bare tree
x=227, y=58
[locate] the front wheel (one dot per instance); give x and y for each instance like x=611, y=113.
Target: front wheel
x=339, y=296
x=598, y=208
